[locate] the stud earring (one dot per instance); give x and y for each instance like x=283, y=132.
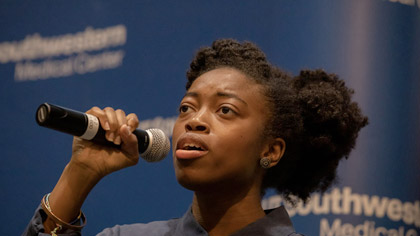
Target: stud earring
x=265, y=162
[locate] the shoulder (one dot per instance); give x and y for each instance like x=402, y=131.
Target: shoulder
x=275, y=223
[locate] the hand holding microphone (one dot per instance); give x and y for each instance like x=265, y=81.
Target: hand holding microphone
x=113, y=144
x=153, y=145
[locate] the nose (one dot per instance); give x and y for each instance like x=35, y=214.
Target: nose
x=197, y=124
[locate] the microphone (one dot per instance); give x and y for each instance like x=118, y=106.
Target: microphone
x=153, y=144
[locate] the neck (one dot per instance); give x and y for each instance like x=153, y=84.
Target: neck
x=224, y=212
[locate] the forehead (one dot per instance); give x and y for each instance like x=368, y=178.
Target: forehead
x=225, y=79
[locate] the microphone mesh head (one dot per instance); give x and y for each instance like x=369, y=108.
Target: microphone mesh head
x=159, y=146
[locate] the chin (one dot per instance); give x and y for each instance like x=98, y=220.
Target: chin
x=194, y=182
x=186, y=180
x=192, y=185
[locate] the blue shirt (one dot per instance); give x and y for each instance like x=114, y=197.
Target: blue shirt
x=275, y=223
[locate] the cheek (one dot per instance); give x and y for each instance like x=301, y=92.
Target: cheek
x=247, y=135
x=240, y=147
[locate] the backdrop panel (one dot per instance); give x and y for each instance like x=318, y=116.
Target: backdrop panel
x=133, y=55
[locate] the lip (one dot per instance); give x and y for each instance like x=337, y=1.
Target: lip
x=191, y=139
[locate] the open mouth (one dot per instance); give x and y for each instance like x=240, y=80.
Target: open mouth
x=192, y=147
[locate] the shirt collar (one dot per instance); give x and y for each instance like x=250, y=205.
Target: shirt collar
x=276, y=222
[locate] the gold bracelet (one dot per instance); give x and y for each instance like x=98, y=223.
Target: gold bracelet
x=60, y=223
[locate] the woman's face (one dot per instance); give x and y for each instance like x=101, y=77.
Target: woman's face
x=217, y=138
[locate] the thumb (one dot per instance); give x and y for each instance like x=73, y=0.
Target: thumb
x=129, y=141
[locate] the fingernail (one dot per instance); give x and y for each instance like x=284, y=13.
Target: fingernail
x=106, y=126
x=111, y=137
x=117, y=140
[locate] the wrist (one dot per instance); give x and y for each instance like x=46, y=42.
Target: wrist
x=80, y=171
x=71, y=190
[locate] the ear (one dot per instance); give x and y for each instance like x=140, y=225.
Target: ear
x=274, y=150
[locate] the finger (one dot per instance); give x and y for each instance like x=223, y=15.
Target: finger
x=121, y=118
x=129, y=142
x=103, y=119
x=132, y=121
x=113, y=124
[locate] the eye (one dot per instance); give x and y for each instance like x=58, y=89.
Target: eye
x=225, y=110
x=183, y=108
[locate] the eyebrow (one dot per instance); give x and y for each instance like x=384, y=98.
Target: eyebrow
x=191, y=94
x=230, y=95
x=219, y=94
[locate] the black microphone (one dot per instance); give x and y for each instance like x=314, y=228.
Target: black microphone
x=153, y=144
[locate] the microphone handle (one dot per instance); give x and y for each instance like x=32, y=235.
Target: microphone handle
x=82, y=125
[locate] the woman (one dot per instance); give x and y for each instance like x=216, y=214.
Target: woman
x=243, y=126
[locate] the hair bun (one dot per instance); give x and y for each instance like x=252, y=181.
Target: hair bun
x=331, y=120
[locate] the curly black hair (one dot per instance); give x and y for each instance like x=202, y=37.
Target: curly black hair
x=313, y=112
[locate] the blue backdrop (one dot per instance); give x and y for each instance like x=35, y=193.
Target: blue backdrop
x=134, y=54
